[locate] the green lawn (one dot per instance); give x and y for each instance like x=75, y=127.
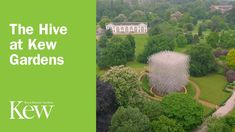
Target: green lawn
x=212, y=88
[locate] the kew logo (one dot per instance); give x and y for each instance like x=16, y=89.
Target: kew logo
x=30, y=110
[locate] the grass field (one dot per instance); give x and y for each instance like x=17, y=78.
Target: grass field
x=212, y=88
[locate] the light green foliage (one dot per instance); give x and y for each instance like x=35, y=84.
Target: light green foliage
x=213, y=39
x=125, y=82
x=230, y=58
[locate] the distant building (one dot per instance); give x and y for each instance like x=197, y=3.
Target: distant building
x=221, y=8
x=128, y=27
x=176, y=16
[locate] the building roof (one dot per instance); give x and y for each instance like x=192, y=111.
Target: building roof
x=128, y=23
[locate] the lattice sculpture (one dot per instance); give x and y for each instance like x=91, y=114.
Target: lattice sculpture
x=168, y=72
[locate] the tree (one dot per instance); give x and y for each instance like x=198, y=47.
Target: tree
x=227, y=39
x=181, y=40
x=224, y=124
x=213, y=39
x=152, y=109
x=196, y=39
x=230, y=58
x=156, y=44
x=120, y=18
x=217, y=23
x=189, y=27
x=131, y=39
x=105, y=105
x=129, y=120
x=137, y=16
x=109, y=33
x=202, y=60
x=165, y=124
x=125, y=82
x=231, y=16
x=103, y=41
x=189, y=37
x=105, y=20
x=200, y=30
x=116, y=52
x=182, y=108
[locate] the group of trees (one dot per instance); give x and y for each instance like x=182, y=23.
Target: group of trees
x=115, y=51
x=202, y=60
x=120, y=87
x=156, y=44
x=225, y=39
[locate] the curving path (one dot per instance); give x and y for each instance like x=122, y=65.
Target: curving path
x=197, y=94
x=197, y=97
x=225, y=109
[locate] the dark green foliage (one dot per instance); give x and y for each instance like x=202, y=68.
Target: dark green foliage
x=105, y=20
x=202, y=60
x=196, y=39
x=131, y=51
x=181, y=40
x=105, y=105
x=116, y=52
x=129, y=120
x=189, y=27
x=184, y=109
x=231, y=16
x=103, y=41
x=137, y=16
x=189, y=37
x=152, y=109
x=109, y=33
x=165, y=124
x=156, y=44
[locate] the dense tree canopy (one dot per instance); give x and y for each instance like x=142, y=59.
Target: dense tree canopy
x=182, y=108
x=224, y=124
x=129, y=120
x=117, y=51
x=125, y=82
x=165, y=124
x=181, y=40
x=202, y=60
x=156, y=44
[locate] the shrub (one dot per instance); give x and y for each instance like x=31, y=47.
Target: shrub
x=202, y=60
x=230, y=75
x=230, y=58
x=165, y=124
x=182, y=108
x=105, y=105
x=129, y=120
x=125, y=82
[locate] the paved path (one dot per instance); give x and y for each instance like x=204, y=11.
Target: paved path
x=224, y=110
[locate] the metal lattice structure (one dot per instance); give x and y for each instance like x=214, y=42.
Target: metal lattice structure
x=168, y=71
